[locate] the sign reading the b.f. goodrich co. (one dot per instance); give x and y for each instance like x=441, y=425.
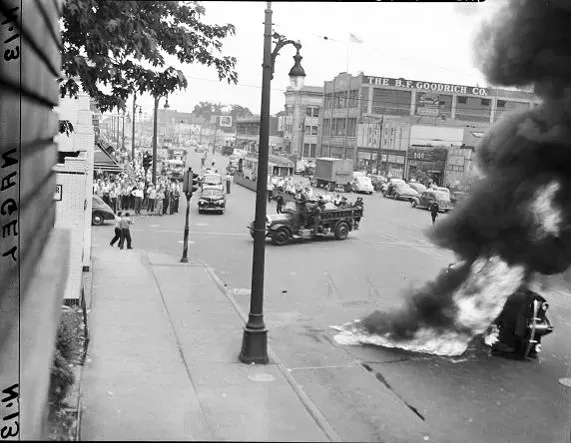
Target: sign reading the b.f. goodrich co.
x=424, y=86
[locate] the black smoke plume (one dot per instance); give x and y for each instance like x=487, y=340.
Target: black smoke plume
x=528, y=43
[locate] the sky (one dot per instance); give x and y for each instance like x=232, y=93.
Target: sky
x=417, y=41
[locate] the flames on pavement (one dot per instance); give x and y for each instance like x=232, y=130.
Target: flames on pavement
x=516, y=221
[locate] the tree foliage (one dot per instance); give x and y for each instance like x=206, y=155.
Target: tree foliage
x=116, y=48
x=207, y=109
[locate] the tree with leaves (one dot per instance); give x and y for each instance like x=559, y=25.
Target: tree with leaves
x=207, y=109
x=116, y=48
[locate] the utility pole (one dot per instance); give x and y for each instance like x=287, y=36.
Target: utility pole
x=123, y=133
x=155, y=128
x=380, y=144
x=133, y=132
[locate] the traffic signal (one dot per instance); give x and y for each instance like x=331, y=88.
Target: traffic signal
x=195, y=182
x=147, y=161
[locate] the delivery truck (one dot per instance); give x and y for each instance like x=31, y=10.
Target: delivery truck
x=333, y=172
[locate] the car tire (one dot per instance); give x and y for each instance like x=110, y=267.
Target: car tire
x=280, y=237
x=341, y=231
x=97, y=219
x=413, y=203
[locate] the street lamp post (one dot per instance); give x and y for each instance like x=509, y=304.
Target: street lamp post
x=135, y=106
x=254, y=342
x=155, y=126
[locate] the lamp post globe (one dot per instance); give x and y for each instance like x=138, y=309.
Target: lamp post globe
x=297, y=74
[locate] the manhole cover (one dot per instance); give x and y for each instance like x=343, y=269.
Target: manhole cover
x=262, y=377
x=565, y=381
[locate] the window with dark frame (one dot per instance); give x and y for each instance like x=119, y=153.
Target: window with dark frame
x=462, y=100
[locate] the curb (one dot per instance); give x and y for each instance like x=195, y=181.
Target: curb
x=298, y=389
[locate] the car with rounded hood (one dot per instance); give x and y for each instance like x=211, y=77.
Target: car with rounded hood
x=431, y=197
x=401, y=191
x=212, y=180
x=418, y=187
x=212, y=199
x=100, y=211
x=362, y=184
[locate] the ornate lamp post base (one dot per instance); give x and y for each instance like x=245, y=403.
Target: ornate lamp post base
x=254, y=346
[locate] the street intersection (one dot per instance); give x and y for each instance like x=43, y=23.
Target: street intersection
x=311, y=286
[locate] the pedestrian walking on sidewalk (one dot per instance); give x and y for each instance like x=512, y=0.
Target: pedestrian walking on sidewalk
x=117, y=236
x=125, y=224
x=434, y=212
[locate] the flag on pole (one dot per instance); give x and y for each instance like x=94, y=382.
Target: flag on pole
x=354, y=39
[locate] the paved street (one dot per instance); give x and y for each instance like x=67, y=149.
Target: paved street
x=311, y=286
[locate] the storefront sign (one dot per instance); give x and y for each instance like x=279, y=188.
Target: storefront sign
x=428, y=104
x=424, y=86
x=427, y=155
x=59, y=192
x=368, y=135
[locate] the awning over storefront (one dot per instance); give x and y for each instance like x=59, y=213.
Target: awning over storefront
x=103, y=160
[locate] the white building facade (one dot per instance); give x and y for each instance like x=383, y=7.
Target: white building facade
x=75, y=186
x=301, y=121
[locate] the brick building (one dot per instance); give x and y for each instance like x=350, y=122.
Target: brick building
x=370, y=119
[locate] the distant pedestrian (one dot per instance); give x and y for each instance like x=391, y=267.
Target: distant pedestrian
x=138, y=194
x=434, y=212
x=152, y=197
x=279, y=203
x=125, y=225
x=117, y=236
x=228, y=183
x=160, y=201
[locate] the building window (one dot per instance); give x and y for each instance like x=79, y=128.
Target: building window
x=501, y=104
x=289, y=110
x=306, y=149
x=352, y=98
x=312, y=111
x=311, y=130
x=327, y=127
x=388, y=101
x=339, y=100
x=462, y=100
x=485, y=102
x=338, y=127
x=351, y=127
x=313, y=147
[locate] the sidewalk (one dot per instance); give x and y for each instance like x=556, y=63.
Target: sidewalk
x=163, y=363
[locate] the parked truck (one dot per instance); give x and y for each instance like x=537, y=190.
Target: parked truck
x=333, y=172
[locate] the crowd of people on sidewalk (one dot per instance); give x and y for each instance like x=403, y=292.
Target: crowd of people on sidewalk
x=122, y=192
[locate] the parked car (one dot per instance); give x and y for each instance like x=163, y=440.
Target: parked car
x=418, y=187
x=441, y=189
x=212, y=199
x=378, y=181
x=403, y=192
x=227, y=150
x=431, y=197
x=100, y=211
x=362, y=184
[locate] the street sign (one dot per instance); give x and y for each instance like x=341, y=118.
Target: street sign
x=59, y=192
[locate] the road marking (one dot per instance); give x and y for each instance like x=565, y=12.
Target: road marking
x=261, y=377
x=154, y=226
x=565, y=381
x=200, y=224
x=190, y=242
